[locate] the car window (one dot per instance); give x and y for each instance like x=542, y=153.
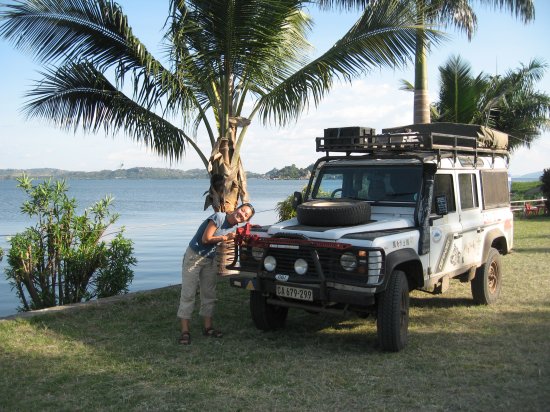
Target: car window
x=467, y=186
x=443, y=186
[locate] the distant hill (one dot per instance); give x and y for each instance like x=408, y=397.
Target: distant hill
x=286, y=173
x=289, y=172
x=528, y=177
x=133, y=173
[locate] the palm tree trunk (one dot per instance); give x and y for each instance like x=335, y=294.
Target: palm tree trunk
x=227, y=176
x=421, y=98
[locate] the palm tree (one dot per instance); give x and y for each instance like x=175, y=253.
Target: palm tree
x=460, y=92
x=509, y=103
x=445, y=13
x=458, y=13
x=223, y=56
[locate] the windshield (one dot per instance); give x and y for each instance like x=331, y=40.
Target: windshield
x=372, y=183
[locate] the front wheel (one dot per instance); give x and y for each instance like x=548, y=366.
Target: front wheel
x=265, y=316
x=487, y=283
x=392, y=320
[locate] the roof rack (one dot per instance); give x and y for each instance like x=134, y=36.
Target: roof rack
x=480, y=140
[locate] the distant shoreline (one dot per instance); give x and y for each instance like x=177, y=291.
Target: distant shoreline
x=134, y=173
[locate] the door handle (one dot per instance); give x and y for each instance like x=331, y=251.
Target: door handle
x=457, y=235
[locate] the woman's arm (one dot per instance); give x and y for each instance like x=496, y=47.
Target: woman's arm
x=208, y=235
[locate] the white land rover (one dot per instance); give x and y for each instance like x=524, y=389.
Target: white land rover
x=384, y=214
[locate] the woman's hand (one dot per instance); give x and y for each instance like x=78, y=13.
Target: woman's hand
x=230, y=236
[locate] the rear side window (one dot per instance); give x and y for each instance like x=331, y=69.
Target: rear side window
x=467, y=185
x=443, y=185
x=494, y=186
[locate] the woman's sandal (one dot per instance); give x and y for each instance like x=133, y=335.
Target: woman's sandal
x=185, y=338
x=213, y=333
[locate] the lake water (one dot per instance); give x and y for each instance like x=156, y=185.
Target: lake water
x=160, y=217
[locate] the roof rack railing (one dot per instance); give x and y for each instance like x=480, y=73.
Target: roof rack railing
x=405, y=142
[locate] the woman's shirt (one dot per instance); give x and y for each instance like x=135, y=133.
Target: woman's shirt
x=209, y=249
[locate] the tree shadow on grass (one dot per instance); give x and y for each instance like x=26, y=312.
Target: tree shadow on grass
x=543, y=250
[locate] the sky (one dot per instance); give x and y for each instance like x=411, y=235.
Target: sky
x=501, y=43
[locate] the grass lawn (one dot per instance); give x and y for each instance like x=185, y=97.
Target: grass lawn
x=124, y=356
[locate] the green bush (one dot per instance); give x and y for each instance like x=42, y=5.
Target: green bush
x=525, y=190
x=63, y=258
x=284, y=208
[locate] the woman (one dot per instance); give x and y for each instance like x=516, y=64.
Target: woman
x=199, y=268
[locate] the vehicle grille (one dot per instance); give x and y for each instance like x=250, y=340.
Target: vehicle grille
x=370, y=268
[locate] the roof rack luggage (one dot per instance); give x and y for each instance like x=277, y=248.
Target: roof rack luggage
x=433, y=137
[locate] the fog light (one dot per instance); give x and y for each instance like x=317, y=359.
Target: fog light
x=348, y=261
x=300, y=266
x=270, y=263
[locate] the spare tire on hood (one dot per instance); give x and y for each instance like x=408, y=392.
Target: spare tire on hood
x=344, y=212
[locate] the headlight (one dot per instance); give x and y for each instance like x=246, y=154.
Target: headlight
x=270, y=263
x=300, y=266
x=257, y=253
x=348, y=261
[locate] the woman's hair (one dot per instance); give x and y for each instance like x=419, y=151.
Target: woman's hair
x=251, y=209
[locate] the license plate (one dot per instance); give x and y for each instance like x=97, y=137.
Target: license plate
x=294, y=293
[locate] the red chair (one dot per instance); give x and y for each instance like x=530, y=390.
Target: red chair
x=531, y=210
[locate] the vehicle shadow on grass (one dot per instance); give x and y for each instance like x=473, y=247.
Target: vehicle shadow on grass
x=440, y=302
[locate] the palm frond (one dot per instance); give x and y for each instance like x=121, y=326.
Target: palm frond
x=459, y=91
x=342, y=4
x=524, y=9
x=459, y=14
x=258, y=43
x=69, y=30
x=77, y=95
x=406, y=86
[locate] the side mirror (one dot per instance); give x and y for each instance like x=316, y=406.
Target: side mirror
x=441, y=205
x=297, y=199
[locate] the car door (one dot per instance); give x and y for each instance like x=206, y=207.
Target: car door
x=470, y=217
x=446, y=231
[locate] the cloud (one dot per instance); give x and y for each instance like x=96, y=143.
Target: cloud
x=361, y=104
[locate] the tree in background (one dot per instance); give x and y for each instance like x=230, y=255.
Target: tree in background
x=63, y=259
x=227, y=62
x=440, y=13
x=545, y=187
x=509, y=103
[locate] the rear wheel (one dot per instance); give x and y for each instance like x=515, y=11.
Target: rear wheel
x=487, y=284
x=266, y=316
x=393, y=314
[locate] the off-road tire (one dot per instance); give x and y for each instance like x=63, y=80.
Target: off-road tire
x=487, y=283
x=392, y=320
x=345, y=212
x=265, y=316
